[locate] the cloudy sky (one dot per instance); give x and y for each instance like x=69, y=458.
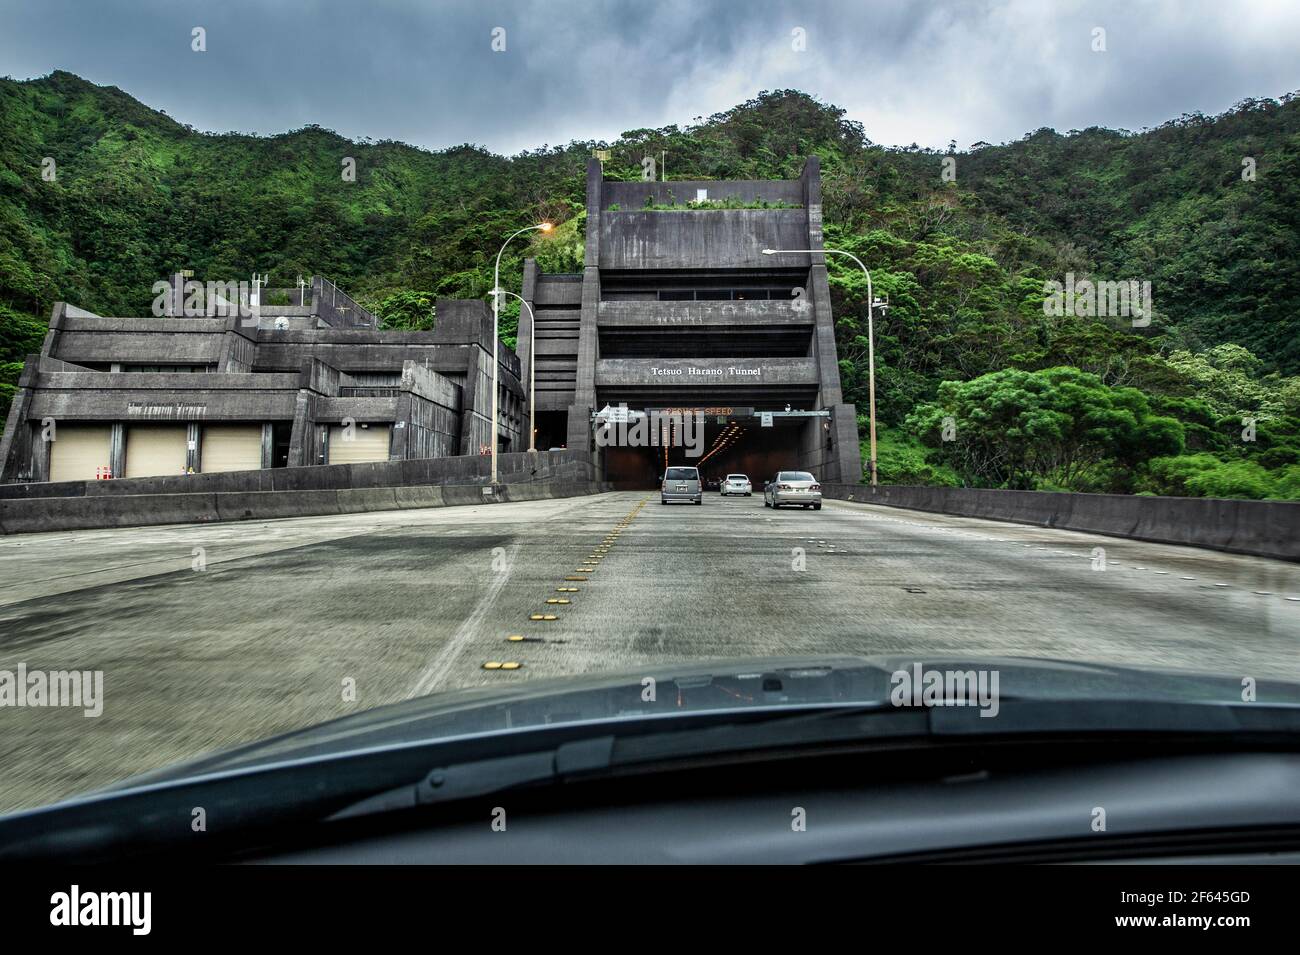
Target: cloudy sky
x=425, y=71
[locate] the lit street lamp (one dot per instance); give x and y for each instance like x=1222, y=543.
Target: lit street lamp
x=532, y=368
x=871, y=336
x=496, y=312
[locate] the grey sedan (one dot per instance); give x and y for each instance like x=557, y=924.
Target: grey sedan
x=793, y=488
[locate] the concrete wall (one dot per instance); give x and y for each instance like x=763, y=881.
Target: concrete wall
x=1261, y=528
x=631, y=196
x=125, y=396
x=668, y=316
x=291, y=492
x=684, y=372
x=462, y=469
x=722, y=238
x=56, y=514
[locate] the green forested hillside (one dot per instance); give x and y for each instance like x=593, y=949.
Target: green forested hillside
x=1031, y=400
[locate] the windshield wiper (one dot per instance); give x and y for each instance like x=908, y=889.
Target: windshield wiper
x=826, y=727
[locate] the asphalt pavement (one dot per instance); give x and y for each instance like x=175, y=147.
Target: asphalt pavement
x=209, y=636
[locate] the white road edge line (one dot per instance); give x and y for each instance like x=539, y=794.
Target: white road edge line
x=441, y=664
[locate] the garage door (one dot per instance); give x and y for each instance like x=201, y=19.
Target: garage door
x=155, y=450
x=367, y=444
x=232, y=448
x=78, y=451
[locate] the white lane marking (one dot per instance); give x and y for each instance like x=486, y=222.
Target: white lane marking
x=441, y=664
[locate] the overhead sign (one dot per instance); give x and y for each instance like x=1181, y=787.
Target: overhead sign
x=731, y=371
x=727, y=410
x=765, y=419
x=620, y=415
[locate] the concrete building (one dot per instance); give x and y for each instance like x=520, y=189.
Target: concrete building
x=677, y=308
x=315, y=382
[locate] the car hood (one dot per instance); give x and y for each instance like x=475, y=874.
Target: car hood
x=699, y=687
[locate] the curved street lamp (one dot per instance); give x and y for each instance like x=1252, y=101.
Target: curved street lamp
x=532, y=368
x=496, y=313
x=871, y=336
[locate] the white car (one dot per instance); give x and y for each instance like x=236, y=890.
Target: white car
x=736, y=484
x=798, y=488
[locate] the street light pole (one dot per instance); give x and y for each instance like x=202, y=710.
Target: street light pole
x=532, y=369
x=871, y=338
x=496, y=317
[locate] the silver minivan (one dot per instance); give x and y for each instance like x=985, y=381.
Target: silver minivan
x=681, y=484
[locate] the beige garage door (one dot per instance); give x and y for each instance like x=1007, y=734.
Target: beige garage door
x=155, y=450
x=232, y=448
x=367, y=444
x=78, y=451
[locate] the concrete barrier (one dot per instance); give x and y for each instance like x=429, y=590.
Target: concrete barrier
x=514, y=468
x=35, y=514
x=269, y=505
x=353, y=500
x=1260, y=528
x=412, y=497
x=79, y=513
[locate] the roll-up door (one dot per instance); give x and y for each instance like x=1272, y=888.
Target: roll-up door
x=367, y=444
x=231, y=448
x=78, y=451
x=155, y=449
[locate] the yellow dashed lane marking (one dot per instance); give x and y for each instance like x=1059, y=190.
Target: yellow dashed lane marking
x=599, y=553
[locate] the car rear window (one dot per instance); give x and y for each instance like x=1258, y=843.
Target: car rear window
x=682, y=474
x=795, y=476
x=737, y=477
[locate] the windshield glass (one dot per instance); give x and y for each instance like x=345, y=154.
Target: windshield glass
x=336, y=424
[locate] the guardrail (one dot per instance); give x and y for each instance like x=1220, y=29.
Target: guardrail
x=1259, y=528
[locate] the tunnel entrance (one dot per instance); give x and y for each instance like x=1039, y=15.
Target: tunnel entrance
x=730, y=444
x=551, y=430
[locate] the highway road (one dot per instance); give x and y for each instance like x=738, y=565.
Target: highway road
x=213, y=635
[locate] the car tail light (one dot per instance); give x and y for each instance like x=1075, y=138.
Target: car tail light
x=784, y=487
x=815, y=487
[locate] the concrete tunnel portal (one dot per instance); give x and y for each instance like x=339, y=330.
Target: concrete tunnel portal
x=722, y=444
x=721, y=310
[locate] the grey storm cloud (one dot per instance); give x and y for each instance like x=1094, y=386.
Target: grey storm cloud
x=425, y=72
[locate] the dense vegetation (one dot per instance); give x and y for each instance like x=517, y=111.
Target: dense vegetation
x=976, y=384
